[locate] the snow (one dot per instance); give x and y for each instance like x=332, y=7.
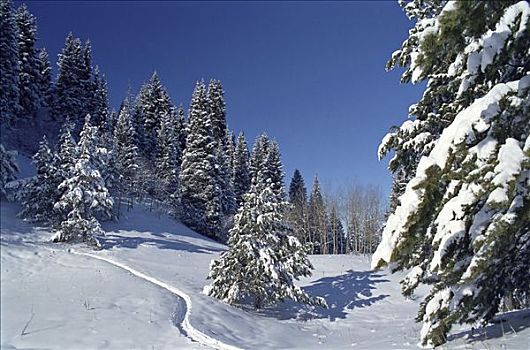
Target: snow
x=510, y=158
x=465, y=124
x=139, y=290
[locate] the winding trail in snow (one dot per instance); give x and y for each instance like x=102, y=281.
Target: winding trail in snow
x=191, y=332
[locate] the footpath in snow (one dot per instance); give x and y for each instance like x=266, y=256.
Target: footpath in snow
x=144, y=291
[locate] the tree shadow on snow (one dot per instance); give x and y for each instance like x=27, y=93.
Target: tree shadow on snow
x=507, y=324
x=342, y=293
x=110, y=241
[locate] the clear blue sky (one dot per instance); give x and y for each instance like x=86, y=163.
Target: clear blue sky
x=310, y=74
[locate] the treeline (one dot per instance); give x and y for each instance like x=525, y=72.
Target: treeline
x=149, y=148
x=346, y=221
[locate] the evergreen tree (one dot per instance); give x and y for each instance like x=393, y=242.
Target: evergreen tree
x=317, y=220
x=40, y=194
x=274, y=169
x=182, y=131
x=461, y=224
x=336, y=242
x=298, y=211
x=167, y=158
x=152, y=103
x=84, y=195
x=199, y=191
x=68, y=101
x=44, y=81
x=100, y=104
x=125, y=151
x=262, y=260
x=241, y=171
x=260, y=150
x=8, y=168
x=9, y=64
x=217, y=110
x=29, y=75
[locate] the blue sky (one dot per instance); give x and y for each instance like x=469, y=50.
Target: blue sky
x=310, y=74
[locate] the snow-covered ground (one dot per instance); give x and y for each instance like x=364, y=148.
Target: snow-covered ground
x=135, y=298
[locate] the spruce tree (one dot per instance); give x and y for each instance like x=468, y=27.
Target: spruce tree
x=317, y=220
x=44, y=81
x=125, y=151
x=100, y=104
x=9, y=65
x=199, y=191
x=241, y=171
x=260, y=150
x=84, y=195
x=29, y=75
x=274, y=169
x=167, y=158
x=8, y=168
x=68, y=93
x=40, y=193
x=152, y=103
x=298, y=212
x=263, y=259
x=461, y=224
x=182, y=131
x=217, y=111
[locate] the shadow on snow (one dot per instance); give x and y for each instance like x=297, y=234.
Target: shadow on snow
x=506, y=324
x=342, y=293
x=110, y=241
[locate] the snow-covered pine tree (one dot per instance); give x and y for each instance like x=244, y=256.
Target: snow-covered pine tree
x=152, y=103
x=84, y=195
x=336, y=241
x=217, y=110
x=260, y=150
x=462, y=224
x=166, y=162
x=8, y=168
x=68, y=94
x=125, y=151
x=44, y=78
x=9, y=65
x=317, y=219
x=182, y=131
x=40, y=193
x=29, y=75
x=298, y=210
x=199, y=191
x=241, y=171
x=100, y=103
x=263, y=259
x=274, y=169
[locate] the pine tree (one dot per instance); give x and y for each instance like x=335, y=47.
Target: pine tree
x=260, y=150
x=68, y=92
x=262, y=260
x=152, y=103
x=336, y=242
x=274, y=169
x=29, y=75
x=125, y=151
x=182, y=131
x=298, y=211
x=217, y=111
x=462, y=221
x=167, y=158
x=40, y=194
x=44, y=81
x=9, y=65
x=8, y=168
x=84, y=195
x=241, y=171
x=199, y=191
x=100, y=103
x=317, y=220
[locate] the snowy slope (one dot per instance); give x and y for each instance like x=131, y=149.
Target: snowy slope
x=83, y=302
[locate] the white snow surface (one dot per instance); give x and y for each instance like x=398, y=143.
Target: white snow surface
x=143, y=291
